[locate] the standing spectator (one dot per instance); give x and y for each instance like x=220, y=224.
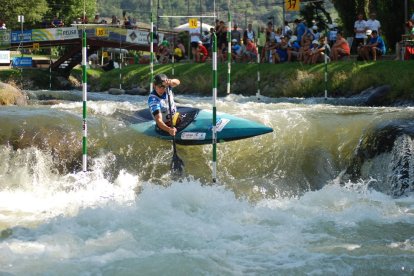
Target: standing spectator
x=360, y=28
x=261, y=41
x=341, y=48
x=374, y=48
x=201, y=52
x=163, y=52
x=97, y=19
x=235, y=34
x=249, y=34
x=301, y=29
x=195, y=37
x=373, y=24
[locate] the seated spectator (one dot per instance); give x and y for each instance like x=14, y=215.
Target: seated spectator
x=361, y=49
x=306, y=45
x=333, y=30
x=163, y=52
x=108, y=66
x=374, y=48
x=341, y=48
x=282, y=49
x=201, y=52
x=318, y=53
x=293, y=49
x=250, y=55
x=97, y=19
x=236, y=51
x=271, y=53
x=56, y=22
x=179, y=51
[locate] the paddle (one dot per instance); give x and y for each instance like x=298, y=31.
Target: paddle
x=177, y=164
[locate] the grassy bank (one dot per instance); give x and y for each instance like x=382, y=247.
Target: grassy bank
x=277, y=80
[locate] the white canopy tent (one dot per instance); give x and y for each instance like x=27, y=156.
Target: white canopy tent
x=185, y=27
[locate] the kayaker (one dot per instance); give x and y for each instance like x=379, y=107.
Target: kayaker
x=158, y=103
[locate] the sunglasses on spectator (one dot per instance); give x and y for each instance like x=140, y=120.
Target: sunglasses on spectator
x=161, y=86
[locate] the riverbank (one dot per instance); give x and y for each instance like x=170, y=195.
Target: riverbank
x=345, y=79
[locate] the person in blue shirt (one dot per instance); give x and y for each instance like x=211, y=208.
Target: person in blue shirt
x=374, y=48
x=158, y=103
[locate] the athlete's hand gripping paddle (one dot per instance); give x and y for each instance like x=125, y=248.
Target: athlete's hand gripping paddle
x=177, y=165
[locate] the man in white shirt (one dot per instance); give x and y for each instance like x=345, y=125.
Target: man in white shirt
x=360, y=28
x=373, y=24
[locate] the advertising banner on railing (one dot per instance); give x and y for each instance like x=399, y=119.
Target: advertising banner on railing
x=55, y=34
x=19, y=36
x=4, y=39
x=22, y=62
x=5, y=57
x=140, y=37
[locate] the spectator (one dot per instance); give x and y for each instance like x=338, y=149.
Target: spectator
x=236, y=54
x=301, y=29
x=261, y=42
x=374, y=48
x=221, y=38
x=97, y=19
x=235, y=34
x=361, y=48
x=333, y=30
x=341, y=48
x=206, y=39
x=179, y=51
x=293, y=49
x=360, y=28
x=3, y=26
x=195, y=37
x=163, y=52
x=201, y=52
x=373, y=24
x=306, y=45
x=318, y=53
x=251, y=51
x=249, y=34
x=154, y=38
x=282, y=49
x=315, y=33
x=287, y=31
x=56, y=22
x=108, y=66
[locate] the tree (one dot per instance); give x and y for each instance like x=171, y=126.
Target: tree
x=70, y=10
x=33, y=11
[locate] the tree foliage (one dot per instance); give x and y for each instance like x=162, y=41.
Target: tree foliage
x=33, y=11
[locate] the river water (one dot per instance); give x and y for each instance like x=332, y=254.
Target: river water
x=280, y=206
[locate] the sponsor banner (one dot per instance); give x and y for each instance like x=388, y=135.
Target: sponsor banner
x=5, y=57
x=4, y=38
x=136, y=36
x=22, y=62
x=54, y=34
x=18, y=36
x=193, y=136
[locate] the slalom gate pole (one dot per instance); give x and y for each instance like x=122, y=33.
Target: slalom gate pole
x=173, y=63
x=151, y=49
x=258, y=76
x=228, y=52
x=326, y=68
x=84, y=98
x=214, y=136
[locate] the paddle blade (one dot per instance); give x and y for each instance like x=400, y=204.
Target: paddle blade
x=177, y=165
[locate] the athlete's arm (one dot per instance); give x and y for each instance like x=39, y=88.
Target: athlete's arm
x=158, y=119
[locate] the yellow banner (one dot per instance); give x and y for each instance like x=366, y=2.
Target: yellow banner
x=101, y=32
x=104, y=54
x=292, y=5
x=36, y=46
x=193, y=23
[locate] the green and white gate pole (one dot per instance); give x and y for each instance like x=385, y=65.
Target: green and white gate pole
x=228, y=52
x=84, y=98
x=214, y=136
